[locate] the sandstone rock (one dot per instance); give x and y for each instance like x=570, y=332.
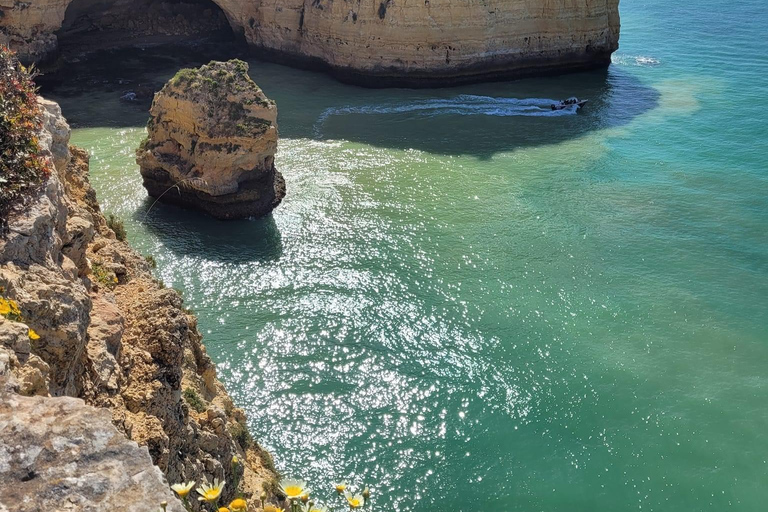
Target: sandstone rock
x=28, y=27
x=212, y=142
x=382, y=43
x=60, y=454
x=58, y=310
x=54, y=138
x=393, y=42
x=128, y=348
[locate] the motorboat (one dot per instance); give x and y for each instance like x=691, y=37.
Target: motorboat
x=570, y=102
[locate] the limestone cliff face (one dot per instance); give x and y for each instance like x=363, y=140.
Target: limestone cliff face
x=429, y=42
x=28, y=27
x=110, y=333
x=33, y=28
x=211, y=143
x=392, y=42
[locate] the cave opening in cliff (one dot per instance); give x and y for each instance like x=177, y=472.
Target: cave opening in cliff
x=95, y=24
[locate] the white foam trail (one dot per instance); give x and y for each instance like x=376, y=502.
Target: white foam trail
x=635, y=60
x=463, y=105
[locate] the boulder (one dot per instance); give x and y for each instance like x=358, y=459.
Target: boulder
x=211, y=143
x=60, y=454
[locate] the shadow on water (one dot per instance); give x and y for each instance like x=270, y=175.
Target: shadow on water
x=478, y=120
x=484, y=119
x=191, y=233
x=89, y=88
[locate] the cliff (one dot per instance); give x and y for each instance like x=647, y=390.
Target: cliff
x=433, y=42
x=104, y=330
x=390, y=42
x=212, y=138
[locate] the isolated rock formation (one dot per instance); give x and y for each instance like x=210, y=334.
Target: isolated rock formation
x=59, y=452
x=108, y=332
x=211, y=143
x=388, y=42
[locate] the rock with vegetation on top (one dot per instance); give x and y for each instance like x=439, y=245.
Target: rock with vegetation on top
x=211, y=143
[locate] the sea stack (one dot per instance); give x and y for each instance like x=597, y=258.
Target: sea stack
x=212, y=137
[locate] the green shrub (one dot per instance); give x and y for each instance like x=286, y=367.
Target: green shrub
x=194, y=400
x=103, y=276
x=22, y=167
x=151, y=260
x=241, y=434
x=115, y=224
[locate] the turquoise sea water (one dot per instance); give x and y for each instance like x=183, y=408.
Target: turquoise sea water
x=470, y=303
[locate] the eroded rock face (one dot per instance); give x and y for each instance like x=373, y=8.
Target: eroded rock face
x=28, y=27
x=432, y=42
x=392, y=42
x=211, y=143
x=112, y=335
x=60, y=454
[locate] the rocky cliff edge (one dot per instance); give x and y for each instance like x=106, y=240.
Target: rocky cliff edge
x=107, y=332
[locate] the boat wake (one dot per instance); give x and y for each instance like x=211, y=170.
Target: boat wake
x=634, y=60
x=462, y=105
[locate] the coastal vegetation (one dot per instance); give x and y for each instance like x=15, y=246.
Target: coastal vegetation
x=9, y=309
x=103, y=276
x=23, y=169
x=116, y=224
x=293, y=495
x=194, y=400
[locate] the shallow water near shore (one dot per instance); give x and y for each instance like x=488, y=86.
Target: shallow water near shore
x=469, y=302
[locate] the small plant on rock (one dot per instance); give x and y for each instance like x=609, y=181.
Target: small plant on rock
x=194, y=400
x=9, y=309
x=103, y=276
x=242, y=435
x=115, y=224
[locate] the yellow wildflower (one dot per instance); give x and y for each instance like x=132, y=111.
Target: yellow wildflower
x=8, y=307
x=238, y=505
x=305, y=497
x=210, y=493
x=223, y=509
x=235, y=460
x=5, y=306
x=293, y=488
x=340, y=487
x=183, y=489
x=271, y=508
x=33, y=335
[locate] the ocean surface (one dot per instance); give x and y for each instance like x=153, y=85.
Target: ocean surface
x=469, y=302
